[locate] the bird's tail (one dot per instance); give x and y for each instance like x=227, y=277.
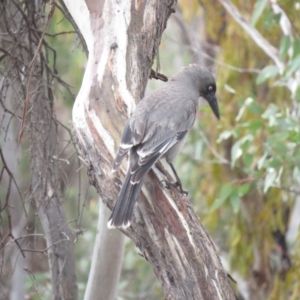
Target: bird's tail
x=122, y=212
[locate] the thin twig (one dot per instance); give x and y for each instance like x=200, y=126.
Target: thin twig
x=212, y=150
x=11, y=234
x=11, y=176
x=31, y=65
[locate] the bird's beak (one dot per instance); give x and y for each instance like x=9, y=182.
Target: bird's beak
x=213, y=103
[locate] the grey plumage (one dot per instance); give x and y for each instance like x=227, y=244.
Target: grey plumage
x=158, y=128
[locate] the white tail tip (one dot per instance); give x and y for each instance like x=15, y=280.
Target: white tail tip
x=110, y=225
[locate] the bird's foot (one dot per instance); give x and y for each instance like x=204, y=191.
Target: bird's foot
x=181, y=190
x=167, y=184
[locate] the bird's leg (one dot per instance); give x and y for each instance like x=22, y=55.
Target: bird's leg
x=178, y=181
x=165, y=183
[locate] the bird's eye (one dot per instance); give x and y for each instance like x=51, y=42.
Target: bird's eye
x=210, y=88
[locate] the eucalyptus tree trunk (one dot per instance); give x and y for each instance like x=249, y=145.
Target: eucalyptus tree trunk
x=122, y=39
x=107, y=260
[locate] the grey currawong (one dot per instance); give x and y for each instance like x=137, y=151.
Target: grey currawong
x=158, y=128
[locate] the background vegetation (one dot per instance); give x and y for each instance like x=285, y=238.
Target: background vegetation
x=242, y=173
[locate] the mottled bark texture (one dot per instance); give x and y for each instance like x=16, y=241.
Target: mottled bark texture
x=122, y=38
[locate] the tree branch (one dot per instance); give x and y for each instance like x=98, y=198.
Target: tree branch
x=261, y=42
x=122, y=44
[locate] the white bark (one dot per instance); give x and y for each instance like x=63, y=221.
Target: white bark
x=125, y=38
x=107, y=260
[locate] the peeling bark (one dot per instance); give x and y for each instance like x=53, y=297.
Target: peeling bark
x=122, y=38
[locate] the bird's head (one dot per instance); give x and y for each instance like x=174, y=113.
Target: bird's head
x=204, y=82
x=207, y=91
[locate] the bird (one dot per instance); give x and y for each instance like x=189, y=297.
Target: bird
x=158, y=129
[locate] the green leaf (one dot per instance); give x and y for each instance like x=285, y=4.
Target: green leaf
x=247, y=102
x=266, y=73
x=225, y=192
x=292, y=66
x=248, y=160
x=255, y=125
x=275, y=163
x=240, y=114
x=285, y=45
x=237, y=236
x=259, y=7
x=270, y=111
x=297, y=94
x=296, y=173
x=225, y=135
x=261, y=161
x=271, y=20
x=198, y=150
x=236, y=150
x=243, y=189
x=296, y=47
x=229, y=88
x=235, y=203
x=255, y=108
x=217, y=203
x=278, y=178
x=270, y=179
x=280, y=137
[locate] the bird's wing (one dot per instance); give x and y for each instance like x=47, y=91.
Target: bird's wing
x=134, y=130
x=133, y=133
x=154, y=132
x=150, y=151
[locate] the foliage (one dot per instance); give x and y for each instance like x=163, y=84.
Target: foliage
x=248, y=166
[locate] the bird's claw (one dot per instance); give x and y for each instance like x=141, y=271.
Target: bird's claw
x=181, y=190
x=168, y=184
x=165, y=184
